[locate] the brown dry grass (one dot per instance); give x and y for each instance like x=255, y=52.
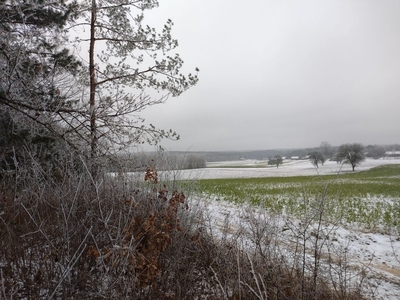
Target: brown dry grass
x=71, y=238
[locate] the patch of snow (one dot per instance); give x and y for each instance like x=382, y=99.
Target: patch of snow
x=378, y=254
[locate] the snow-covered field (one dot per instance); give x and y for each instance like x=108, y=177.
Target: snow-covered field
x=378, y=254
x=289, y=168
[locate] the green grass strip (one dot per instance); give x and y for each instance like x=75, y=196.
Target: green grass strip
x=368, y=199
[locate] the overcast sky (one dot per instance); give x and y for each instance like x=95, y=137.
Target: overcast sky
x=284, y=74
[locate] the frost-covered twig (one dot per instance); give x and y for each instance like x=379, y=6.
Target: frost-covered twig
x=73, y=261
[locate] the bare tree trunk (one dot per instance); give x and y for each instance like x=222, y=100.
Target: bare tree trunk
x=92, y=101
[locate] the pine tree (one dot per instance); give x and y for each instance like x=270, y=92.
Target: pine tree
x=34, y=66
x=94, y=104
x=133, y=63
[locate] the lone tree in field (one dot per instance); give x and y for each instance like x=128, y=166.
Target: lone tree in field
x=352, y=154
x=316, y=158
x=276, y=160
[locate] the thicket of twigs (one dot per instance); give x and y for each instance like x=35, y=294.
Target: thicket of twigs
x=66, y=236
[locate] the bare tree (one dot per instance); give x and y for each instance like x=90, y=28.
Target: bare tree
x=316, y=158
x=276, y=160
x=352, y=154
x=193, y=161
x=326, y=149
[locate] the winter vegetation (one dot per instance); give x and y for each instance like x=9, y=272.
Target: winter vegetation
x=359, y=213
x=82, y=216
x=365, y=200
x=317, y=158
x=352, y=154
x=275, y=161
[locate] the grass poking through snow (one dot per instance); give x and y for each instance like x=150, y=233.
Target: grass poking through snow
x=369, y=200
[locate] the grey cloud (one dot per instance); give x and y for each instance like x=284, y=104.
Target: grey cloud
x=277, y=74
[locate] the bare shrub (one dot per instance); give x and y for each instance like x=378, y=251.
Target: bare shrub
x=73, y=238
x=270, y=257
x=119, y=238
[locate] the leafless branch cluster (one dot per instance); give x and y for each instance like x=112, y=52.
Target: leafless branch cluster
x=72, y=237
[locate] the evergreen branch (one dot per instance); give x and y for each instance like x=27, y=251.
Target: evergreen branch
x=20, y=104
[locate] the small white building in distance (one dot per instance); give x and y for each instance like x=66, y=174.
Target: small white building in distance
x=392, y=154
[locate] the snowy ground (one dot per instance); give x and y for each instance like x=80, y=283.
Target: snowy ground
x=378, y=253
x=289, y=168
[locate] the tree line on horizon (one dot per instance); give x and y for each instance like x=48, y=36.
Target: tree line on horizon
x=349, y=153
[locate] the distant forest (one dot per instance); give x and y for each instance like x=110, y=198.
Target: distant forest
x=213, y=156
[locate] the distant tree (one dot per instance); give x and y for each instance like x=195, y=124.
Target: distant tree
x=316, y=157
x=352, y=154
x=326, y=149
x=375, y=151
x=271, y=161
x=195, y=162
x=395, y=147
x=276, y=160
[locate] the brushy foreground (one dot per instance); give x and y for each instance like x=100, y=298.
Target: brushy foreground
x=73, y=238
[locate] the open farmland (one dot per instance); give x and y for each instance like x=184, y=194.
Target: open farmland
x=260, y=169
x=346, y=223
x=360, y=212
x=368, y=200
